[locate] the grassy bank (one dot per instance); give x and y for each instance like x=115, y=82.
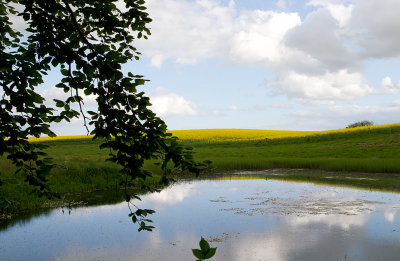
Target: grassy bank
x=80, y=168
x=81, y=165
x=374, y=150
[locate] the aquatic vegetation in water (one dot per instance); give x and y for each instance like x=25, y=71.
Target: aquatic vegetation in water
x=302, y=206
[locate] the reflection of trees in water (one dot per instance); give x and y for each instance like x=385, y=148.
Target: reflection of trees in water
x=76, y=200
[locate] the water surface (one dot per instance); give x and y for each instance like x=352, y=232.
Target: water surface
x=246, y=219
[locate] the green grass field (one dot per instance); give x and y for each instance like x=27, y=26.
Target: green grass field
x=363, y=152
x=372, y=152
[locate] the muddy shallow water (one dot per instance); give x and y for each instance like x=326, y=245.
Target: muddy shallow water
x=246, y=219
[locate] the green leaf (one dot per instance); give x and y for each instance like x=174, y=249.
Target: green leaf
x=59, y=103
x=64, y=72
x=87, y=92
x=211, y=252
x=198, y=254
x=138, y=198
x=36, y=98
x=149, y=228
x=204, y=246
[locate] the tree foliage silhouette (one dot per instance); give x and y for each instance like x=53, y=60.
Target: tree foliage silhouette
x=88, y=41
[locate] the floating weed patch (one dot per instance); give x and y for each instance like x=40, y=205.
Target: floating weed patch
x=303, y=206
x=222, y=237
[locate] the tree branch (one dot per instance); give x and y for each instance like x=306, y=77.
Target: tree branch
x=83, y=36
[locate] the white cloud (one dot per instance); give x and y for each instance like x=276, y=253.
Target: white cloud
x=258, y=37
x=89, y=101
x=319, y=37
x=203, y=29
x=388, y=86
x=326, y=2
x=189, y=61
x=166, y=104
x=387, y=82
x=157, y=60
x=187, y=31
x=373, y=27
x=341, y=13
x=317, y=60
x=18, y=22
x=296, y=50
x=326, y=88
x=338, y=9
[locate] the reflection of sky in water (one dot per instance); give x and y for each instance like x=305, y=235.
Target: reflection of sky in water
x=245, y=219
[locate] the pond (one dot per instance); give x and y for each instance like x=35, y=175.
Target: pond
x=245, y=217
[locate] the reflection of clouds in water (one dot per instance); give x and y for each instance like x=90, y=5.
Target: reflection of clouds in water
x=155, y=239
x=308, y=223
x=80, y=253
x=390, y=213
x=167, y=197
x=232, y=189
x=257, y=247
x=151, y=246
x=345, y=222
x=171, y=195
x=296, y=222
x=289, y=243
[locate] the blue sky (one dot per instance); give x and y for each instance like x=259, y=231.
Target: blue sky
x=260, y=64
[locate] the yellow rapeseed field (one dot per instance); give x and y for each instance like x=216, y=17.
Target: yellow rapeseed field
x=212, y=135
x=220, y=135
x=73, y=137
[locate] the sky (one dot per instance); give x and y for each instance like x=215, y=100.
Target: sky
x=267, y=64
